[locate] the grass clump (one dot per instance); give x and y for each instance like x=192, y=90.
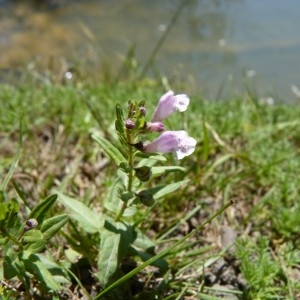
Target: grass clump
x=247, y=153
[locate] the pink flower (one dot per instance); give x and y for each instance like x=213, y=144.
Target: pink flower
x=168, y=104
x=177, y=142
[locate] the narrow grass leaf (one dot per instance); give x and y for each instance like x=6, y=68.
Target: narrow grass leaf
x=217, y=162
x=205, y=147
x=109, y=149
x=88, y=219
x=16, y=159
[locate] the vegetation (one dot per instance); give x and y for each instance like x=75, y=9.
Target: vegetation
x=225, y=226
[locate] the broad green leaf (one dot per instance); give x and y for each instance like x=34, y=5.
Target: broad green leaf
x=142, y=242
x=110, y=149
x=32, y=236
x=10, y=269
x=108, y=256
x=144, y=248
x=52, y=225
x=115, y=241
x=72, y=255
x=112, y=202
x=170, y=188
x=57, y=270
x=33, y=265
x=129, y=211
x=36, y=246
x=40, y=210
x=34, y=241
x=89, y=220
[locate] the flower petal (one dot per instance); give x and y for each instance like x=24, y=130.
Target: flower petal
x=168, y=104
x=178, y=142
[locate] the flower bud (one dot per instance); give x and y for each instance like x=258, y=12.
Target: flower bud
x=146, y=198
x=30, y=224
x=129, y=124
x=143, y=173
x=143, y=110
x=15, y=248
x=155, y=126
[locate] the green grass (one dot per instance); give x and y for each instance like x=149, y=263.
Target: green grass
x=247, y=152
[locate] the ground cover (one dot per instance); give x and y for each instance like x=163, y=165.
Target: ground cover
x=247, y=154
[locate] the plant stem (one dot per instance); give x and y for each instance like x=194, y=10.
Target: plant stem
x=130, y=174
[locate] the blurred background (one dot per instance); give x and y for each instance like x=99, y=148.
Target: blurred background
x=218, y=47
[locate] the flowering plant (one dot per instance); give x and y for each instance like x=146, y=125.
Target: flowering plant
x=119, y=234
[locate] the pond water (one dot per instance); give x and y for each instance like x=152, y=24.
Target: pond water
x=218, y=46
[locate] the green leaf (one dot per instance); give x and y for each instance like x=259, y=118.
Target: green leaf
x=144, y=248
x=168, y=169
x=119, y=123
x=16, y=159
x=115, y=241
x=112, y=202
x=110, y=149
x=32, y=236
x=170, y=188
x=205, y=147
x=142, y=242
x=33, y=265
x=72, y=255
x=160, y=263
x=39, y=211
x=52, y=225
x=34, y=241
x=3, y=211
x=36, y=247
x=108, y=256
x=10, y=269
x=88, y=219
x=216, y=163
x=57, y=270
x=8, y=213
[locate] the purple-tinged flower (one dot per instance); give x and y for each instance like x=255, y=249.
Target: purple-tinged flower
x=129, y=124
x=168, y=104
x=178, y=142
x=155, y=126
x=143, y=110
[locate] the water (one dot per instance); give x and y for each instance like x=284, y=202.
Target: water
x=217, y=47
